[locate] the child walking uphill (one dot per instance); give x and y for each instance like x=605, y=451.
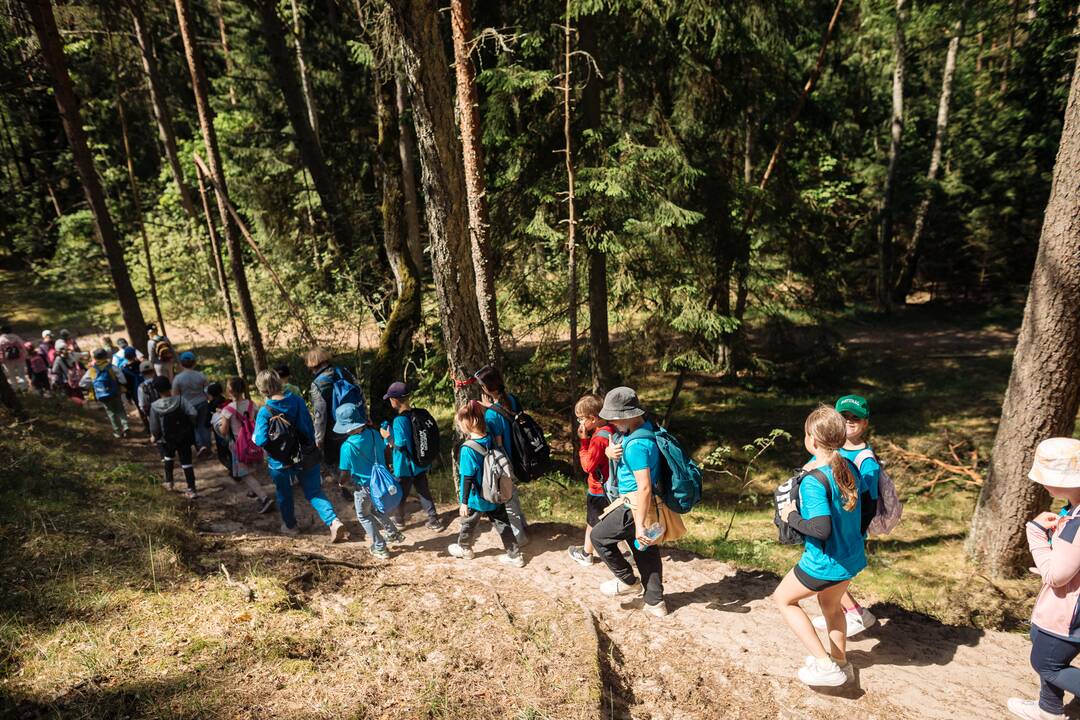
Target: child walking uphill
x=107, y=384
x=362, y=450
x=469, y=421
x=500, y=404
x=829, y=517
x=409, y=472
x=237, y=424
x=595, y=435
x=172, y=426
x=637, y=468
x=856, y=413
x=1055, y=548
x=284, y=422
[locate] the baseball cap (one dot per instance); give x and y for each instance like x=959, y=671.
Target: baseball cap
x=396, y=390
x=854, y=404
x=146, y=366
x=187, y=356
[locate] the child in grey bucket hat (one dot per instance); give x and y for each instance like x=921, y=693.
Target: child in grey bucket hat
x=621, y=403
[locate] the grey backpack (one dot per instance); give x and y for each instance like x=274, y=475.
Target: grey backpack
x=497, y=475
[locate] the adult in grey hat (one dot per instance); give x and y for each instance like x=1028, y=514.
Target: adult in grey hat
x=637, y=466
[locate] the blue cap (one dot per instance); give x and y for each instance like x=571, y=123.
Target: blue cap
x=187, y=356
x=129, y=353
x=396, y=390
x=349, y=417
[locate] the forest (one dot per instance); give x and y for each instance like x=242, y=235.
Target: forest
x=738, y=209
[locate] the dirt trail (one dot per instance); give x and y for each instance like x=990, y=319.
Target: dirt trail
x=722, y=652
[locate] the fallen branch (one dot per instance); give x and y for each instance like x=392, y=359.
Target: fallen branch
x=309, y=557
x=248, y=591
x=974, y=477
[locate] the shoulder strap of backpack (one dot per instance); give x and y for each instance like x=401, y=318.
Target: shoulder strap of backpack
x=508, y=414
x=604, y=433
x=864, y=455
x=820, y=477
x=476, y=447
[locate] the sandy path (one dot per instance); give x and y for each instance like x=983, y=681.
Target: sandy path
x=722, y=652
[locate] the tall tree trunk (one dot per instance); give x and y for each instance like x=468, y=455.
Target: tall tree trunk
x=222, y=279
x=1043, y=395
x=41, y=15
x=424, y=62
x=571, y=221
x=407, y=150
x=219, y=13
x=473, y=153
x=213, y=158
x=136, y=196
x=896, y=132
x=311, y=153
x=911, y=262
x=301, y=65
x=160, y=108
x=599, y=341
x=397, y=336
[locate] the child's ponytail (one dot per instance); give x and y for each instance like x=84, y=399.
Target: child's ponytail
x=826, y=427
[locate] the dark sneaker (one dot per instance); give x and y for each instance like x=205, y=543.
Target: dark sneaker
x=577, y=554
x=265, y=505
x=380, y=553
x=396, y=538
x=191, y=494
x=435, y=524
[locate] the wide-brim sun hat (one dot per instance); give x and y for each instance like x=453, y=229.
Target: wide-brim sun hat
x=621, y=403
x=1057, y=463
x=349, y=417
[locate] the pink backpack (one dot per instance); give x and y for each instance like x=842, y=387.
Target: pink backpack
x=247, y=451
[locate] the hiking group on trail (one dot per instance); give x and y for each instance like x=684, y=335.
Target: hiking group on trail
x=638, y=481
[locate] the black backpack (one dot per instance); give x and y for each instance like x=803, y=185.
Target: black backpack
x=176, y=427
x=789, y=492
x=425, y=437
x=12, y=352
x=531, y=449
x=283, y=441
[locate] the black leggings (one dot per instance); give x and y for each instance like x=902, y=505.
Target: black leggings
x=619, y=525
x=1052, y=658
x=501, y=522
x=183, y=452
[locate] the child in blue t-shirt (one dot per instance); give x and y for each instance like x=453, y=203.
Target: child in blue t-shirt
x=499, y=402
x=410, y=474
x=830, y=519
x=469, y=421
x=856, y=413
x=362, y=449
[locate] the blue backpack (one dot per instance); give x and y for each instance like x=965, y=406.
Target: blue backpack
x=343, y=391
x=679, y=483
x=105, y=384
x=383, y=488
x=131, y=374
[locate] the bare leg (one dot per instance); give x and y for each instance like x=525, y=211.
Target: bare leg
x=588, y=540
x=829, y=600
x=787, y=597
x=848, y=603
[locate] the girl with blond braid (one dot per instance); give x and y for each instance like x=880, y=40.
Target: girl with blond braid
x=829, y=516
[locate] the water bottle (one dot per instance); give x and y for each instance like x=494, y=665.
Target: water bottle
x=652, y=533
x=385, y=425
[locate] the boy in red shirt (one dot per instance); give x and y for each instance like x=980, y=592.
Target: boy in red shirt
x=595, y=434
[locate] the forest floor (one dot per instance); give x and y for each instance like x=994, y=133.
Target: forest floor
x=123, y=600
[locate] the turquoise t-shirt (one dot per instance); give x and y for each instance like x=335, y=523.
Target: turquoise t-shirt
x=471, y=467
x=404, y=467
x=869, y=470
x=843, y=554
x=360, y=452
x=640, y=452
x=499, y=427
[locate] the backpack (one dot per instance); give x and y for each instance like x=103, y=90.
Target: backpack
x=38, y=364
x=177, y=429
x=679, y=484
x=343, y=391
x=383, y=489
x=531, y=449
x=425, y=437
x=163, y=349
x=889, y=508
x=789, y=492
x=283, y=441
x=132, y=375
x=104, y=383
x=496, y=475
x=611, y=485
x=247, y=451
x=12, y=351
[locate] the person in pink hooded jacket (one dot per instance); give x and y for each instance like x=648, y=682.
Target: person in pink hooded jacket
x=1055, y=547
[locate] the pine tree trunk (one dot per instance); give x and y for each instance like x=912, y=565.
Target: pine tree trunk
x=468, y=103
x=311, y=153
x=396, y=339
x=911, y=263
x=41, y=15
x=309, y=102
x=219, y=14
x=571, y=222
x=1043, y=394
x=407, y=150
x=160, y=108
x=896, y=132
x=599, y=341
x=424, y=62
x=213, y=158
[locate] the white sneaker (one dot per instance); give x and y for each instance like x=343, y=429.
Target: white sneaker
x=615, y=587
x=657, y=610
x=513, y=561
x=822, y=672
x=856, y=621
x=460, y=552
x=1030, y=710
x=292, y=531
